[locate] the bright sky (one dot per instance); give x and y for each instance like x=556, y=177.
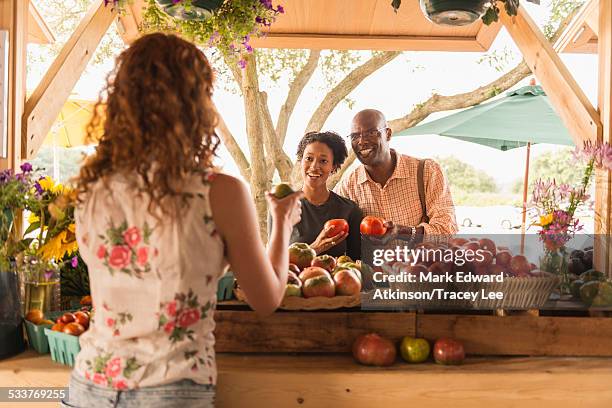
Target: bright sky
x=394, y=89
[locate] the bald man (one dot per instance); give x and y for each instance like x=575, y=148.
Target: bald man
x=385, y=184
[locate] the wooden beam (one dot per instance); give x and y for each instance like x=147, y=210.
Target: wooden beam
x=368, y=42
x=14, y=19
x=38, y=31
x=580, y=26
x=603, y=179
x=305, y=332
x=522, y=335
x=127, y=23
x=570, y=102
x=47, y=100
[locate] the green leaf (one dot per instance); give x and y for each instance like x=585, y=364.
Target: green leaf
x=33, y=227
x=490, y=16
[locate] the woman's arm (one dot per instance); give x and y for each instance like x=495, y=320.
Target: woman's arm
x=262, y=277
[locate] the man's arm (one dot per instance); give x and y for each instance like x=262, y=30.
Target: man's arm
x=440, y=207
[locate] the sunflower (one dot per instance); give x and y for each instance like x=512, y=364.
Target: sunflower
x=60, y=245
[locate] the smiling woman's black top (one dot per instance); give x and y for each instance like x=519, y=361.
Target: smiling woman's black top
x=314, y=218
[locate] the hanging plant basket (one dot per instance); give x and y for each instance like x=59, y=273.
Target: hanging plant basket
x=454, y=12
x=194, y=10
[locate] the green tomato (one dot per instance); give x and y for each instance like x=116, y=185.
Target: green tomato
x=414, y=350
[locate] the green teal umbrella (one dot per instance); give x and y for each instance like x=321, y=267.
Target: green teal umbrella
x=521, y=118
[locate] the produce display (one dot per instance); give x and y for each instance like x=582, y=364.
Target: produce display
x=374, y=350
x=588, y=285
x=322, y=276
x=73, y=323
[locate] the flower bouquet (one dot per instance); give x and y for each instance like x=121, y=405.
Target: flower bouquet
x=555, y=207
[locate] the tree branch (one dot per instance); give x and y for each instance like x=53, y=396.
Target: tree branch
x=227, y=138
x=346, y=86
x=276, y=158
x=295, y=90
x=438, y=103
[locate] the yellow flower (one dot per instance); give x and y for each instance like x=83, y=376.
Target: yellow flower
x=60, y=245
x=47, y=183
x=546, y=219
x=33, y=218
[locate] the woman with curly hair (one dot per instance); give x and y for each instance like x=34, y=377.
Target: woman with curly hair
x=320, y=155
x=157, y=227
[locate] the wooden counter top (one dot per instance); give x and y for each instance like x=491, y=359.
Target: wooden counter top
x=334, y=380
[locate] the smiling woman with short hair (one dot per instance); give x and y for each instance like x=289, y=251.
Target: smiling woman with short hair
x=321, y=154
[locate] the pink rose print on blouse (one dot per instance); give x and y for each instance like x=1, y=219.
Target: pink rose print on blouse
x=99, y=379
x=112, y=371
x=142, y=256
x=199, y=358
x=131, y=236
x=119, y=257
x=178, y=316
x=113, y=367
x=189, y=317
x=120, y=385
x=119, y=319
x=127, y=249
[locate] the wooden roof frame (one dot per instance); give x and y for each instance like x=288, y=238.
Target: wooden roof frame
x=580, y=36
x=581, y=118
x=38, y=31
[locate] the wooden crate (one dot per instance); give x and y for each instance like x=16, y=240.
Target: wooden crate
x=482, y=334
x=306, y=332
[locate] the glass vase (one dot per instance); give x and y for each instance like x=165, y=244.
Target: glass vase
x=556, y=261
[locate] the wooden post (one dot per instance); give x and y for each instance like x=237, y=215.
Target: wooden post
x=47, y=100
x=14, y=19
x=603, y=179
x=525, y=192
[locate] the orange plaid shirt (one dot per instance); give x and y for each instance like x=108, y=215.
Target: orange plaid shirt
x=398, y=200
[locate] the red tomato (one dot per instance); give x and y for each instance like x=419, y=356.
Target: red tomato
x=448, y=351
x=74, y=329
x=372, y=349
x=338, y=225
x=371, y=225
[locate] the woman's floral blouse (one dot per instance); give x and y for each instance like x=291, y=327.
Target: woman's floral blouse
x=153, y=284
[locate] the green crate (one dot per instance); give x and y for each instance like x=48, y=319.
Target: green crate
x=64, y=347
x=36, y=333
x=36, y=336
x=225, y=287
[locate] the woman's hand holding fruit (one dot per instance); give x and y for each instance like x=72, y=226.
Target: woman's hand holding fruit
x=324, y=242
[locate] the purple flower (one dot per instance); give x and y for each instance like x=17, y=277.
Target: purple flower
x=48, y=274
x=266, y=3
x=242, y=63
x=39, y=189
x=26, y=167
x=280, y=9
x=259, y=20
x=74, y=262
x=248, y=48
x=6, y=175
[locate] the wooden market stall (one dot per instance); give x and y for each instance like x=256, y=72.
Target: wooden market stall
x=327, y=373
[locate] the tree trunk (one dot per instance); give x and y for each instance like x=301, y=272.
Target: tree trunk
x=258, y=181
